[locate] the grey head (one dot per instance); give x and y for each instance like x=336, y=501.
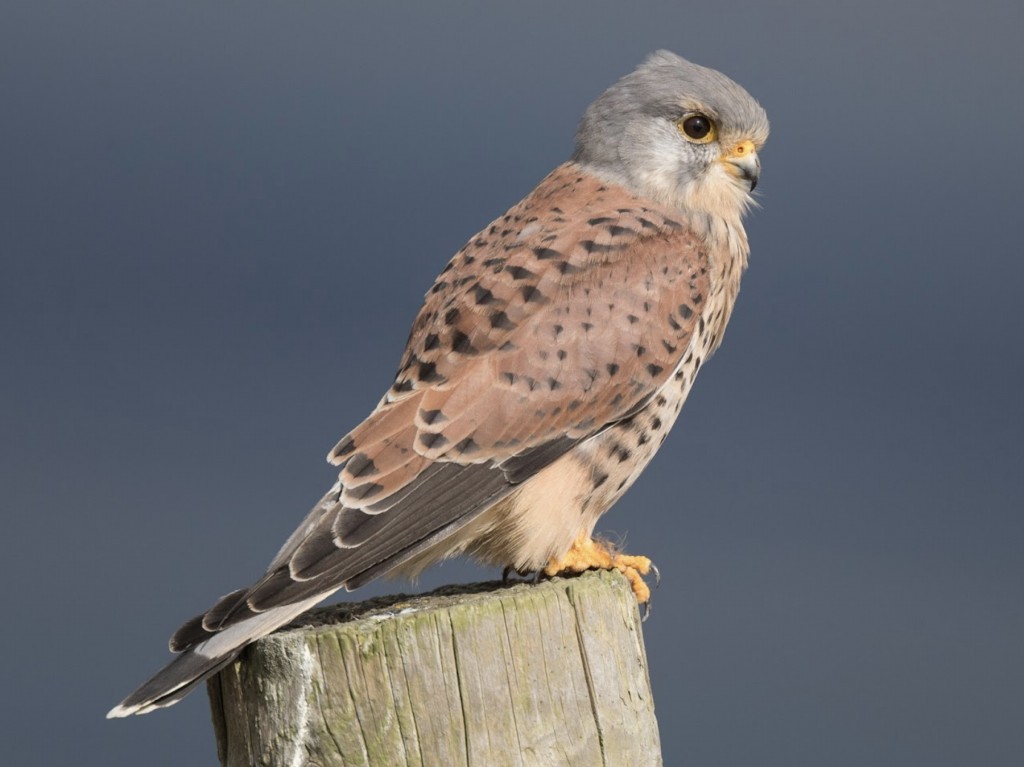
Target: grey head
x=678, y=133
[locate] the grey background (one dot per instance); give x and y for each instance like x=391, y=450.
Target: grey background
x=218, y=221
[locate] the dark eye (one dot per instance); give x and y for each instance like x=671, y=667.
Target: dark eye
x=697, y=128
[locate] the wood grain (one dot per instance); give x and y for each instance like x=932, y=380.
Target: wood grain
x=543, y=674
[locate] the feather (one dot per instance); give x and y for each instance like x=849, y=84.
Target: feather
x=509, y=367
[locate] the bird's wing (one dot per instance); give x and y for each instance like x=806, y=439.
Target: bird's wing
x=565, y=316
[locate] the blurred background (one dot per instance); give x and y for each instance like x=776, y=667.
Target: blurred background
x=218, y=221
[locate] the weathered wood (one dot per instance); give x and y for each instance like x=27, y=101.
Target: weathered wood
x=546, y=674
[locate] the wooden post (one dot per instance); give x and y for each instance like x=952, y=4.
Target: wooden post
x=542, y=674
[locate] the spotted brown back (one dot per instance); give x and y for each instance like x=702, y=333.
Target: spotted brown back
x=563, y=316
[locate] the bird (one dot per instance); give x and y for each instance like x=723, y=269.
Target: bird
x=544, y=370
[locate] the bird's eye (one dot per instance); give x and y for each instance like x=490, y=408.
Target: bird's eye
x=697, y=128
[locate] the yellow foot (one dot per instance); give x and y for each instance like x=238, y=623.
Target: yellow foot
x=588, y=554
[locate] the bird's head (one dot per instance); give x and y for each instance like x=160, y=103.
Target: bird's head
x=678, y=133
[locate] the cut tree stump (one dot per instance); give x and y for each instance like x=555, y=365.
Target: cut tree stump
x=487, y=675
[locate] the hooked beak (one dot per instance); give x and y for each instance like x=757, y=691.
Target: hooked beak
x=743, y=162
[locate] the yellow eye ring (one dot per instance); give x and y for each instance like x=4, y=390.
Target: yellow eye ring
x=697, y=128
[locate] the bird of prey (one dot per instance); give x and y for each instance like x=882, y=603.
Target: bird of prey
x=547, y=364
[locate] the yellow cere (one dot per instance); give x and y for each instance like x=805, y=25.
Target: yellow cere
x=744, y=149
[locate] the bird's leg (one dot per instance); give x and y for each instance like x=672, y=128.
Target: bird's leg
x=588, y=554
x=506, y=573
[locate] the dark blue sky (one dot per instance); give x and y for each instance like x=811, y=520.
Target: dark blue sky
x=219, y=220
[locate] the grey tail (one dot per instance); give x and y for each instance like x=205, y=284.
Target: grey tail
x=201, y=659
x=172, y=683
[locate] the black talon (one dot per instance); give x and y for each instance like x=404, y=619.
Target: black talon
x=645, y=613
x=657, y=575
x=506, y=573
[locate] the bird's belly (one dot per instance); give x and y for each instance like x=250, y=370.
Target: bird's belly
x=541, y=520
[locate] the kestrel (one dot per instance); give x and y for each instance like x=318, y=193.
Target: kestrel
x=545, y=368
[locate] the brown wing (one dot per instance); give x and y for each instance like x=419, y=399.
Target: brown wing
x=563, y=317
